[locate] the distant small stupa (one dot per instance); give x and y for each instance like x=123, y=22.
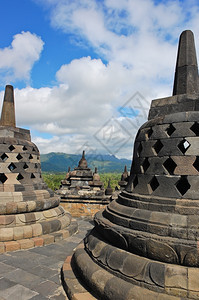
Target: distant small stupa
x=82, y=192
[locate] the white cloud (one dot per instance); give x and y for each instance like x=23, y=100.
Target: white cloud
x=87, y=96
x=17, y=60
x=137, y=40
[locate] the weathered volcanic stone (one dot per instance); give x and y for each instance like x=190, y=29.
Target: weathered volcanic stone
x=28, y=209
x=148, y=237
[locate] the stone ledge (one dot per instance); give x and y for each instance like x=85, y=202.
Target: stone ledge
x=105, y=284
x=40, y=241
x=73, y=288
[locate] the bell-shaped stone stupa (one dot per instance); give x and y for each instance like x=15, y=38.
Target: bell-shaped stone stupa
x=30, y=214
x=145, y=243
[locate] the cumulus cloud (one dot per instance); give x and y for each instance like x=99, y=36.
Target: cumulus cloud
x=76, y=111
x=137, y=44
x=139, y=37
x=17, y=60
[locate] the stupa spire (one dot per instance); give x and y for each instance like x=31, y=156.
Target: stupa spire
x=8, y=109
x=186, y=74
x=83, y=162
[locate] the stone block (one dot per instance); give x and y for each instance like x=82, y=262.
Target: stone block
x=36, y=230
x=20, y=219
x=30, y=218
x=48, y=239
x=175, y=117
x=183, y=129
x=147, y=148
x=65, y=233
x=38, y=241
x=18, y=233
x=2, y=247
x=8, y=188
x=2, y=208
x=58, y=236
x=170, y=147
x=21, y=206
x=26, y=243
x=6, y=234
x=11, y=208
x=17, y=196
x=83, y=296
x=159, y=131
x=192, y=116
x=31, y=206
x=154, y=165
x=55, y=225
x=157, y=273
x=66, y=266
x=27, y=231
x=12, y=246
x=176, y=277
x=166, y=186
x=184, y=165
x=46, y=227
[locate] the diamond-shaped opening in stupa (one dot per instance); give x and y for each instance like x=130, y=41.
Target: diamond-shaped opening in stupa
x=170, y=130
x=157, y=146
x=195, y=128
x=183, y=185
x=19, y=177
x=25, y=166
x=153, y=184
x=149, y=133
x=145, y=165
x=11, y=147
x=196, y=163
x=170, y=165
x=4, y=157
x=184, y=146
x=11, y=167
x=19, y=156
x=3, y=178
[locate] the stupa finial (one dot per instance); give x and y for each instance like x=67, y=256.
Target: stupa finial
x=8, y=109
x=186, y=74
x=83, y=162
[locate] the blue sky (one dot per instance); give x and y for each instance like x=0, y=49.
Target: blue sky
x=74, y=64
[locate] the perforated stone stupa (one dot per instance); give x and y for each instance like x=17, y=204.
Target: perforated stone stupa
x=30, y=214
x=145, y=243
x=82, y=192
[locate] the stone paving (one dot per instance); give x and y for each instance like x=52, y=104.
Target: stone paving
x=35, y=273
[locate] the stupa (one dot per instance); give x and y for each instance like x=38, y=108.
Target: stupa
x=30, y=213
x=124, y=179
x=145, y=244
x=82, y=192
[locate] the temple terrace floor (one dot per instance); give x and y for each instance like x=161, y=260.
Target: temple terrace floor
x=35, y=273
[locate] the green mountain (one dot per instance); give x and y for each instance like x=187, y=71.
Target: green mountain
x=59, y=162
